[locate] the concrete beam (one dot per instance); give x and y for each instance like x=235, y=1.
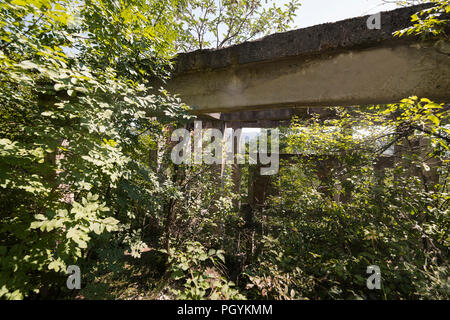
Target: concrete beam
x=251, y=116
x=341, y=63
x=277, y=114
x=264, y=118
x=258, y=124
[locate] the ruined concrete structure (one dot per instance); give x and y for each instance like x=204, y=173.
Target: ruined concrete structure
x=342, y=63
x=264, y=83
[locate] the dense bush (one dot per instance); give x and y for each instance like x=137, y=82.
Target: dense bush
x=336, y=213
x=71, y=156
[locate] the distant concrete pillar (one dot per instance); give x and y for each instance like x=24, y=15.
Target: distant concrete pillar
x=236, y=177
x=258, y=186
x=235, y=168
x=223, y=128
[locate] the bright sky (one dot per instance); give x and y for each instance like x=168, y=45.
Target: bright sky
x=314, y=12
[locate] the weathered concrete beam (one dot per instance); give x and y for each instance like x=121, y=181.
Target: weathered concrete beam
x=341, y=63
x=277, y=114
x=251, y=116
x=265, y=118
x=258, y=124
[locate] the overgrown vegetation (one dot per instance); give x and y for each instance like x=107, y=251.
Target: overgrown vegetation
x=86, y=176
